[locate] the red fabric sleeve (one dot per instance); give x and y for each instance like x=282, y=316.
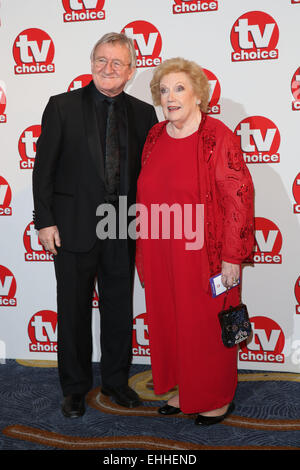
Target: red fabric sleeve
x=235, y=189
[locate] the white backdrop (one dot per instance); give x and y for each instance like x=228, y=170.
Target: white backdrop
x=250, y=52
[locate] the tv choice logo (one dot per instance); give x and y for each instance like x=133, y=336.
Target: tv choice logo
x=259, y=140
x=42, y=332
x=295, y=1
x=2, y=103
x=194, y=6
x=83, y=10
x=95, y=300
x=140, y=337
x=296, y=193
x=5, y=197
x=80, y=81
x=268, y=242
x=33, y=51
x=297, y=294
x=295, y=88
x=148, y=42
x=254, y=36
x=8, y=288
x=34, y=250
x=27, y=146
x=267, y=342
x=215, y=93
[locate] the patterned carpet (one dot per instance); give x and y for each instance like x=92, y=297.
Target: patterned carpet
x=266, y=417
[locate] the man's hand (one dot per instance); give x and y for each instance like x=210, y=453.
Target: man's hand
x=230, y=274
x=49, y=238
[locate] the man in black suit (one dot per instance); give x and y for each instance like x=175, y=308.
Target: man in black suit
x=79, y=166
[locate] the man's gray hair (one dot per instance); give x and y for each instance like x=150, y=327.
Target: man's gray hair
x=119, y=38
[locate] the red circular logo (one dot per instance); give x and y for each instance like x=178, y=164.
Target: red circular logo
x=215, y=92
x=295, y=84
x=267, y=342
x=42, y=331
x=268, y=241
x=95, y=300
x=80, y=81
x=79, y=5
x=140, y=337
x=296, y=193
x=147, y=41
x=2, y=100
x=295, y=88
x=259, y=140
x=33, y=51
x=27, y=146
x=296, y=188
x=5, y=194
x=254, y=36
x=8, y=287
x=297, y=290
x=34, y=250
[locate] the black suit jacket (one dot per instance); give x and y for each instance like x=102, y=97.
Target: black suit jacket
x=68, y=175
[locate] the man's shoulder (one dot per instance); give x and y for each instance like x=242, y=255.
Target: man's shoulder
x=69, y=95
x=137, y=103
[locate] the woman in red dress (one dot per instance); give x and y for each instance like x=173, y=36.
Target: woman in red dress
x=191, y=161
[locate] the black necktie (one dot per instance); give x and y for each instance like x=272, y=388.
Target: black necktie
x=112, y=155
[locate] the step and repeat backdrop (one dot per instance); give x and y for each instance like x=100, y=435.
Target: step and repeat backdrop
x=250, y=52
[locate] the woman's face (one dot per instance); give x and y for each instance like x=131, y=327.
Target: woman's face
x=178, y=100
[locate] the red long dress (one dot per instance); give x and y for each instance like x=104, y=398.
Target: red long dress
x=185, y=337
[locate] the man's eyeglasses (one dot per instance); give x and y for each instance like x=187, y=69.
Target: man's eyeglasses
x=116, y=64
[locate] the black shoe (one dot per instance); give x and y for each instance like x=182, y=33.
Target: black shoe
x=123, y=396
x=169, y=410
x=208, y=420
x=73, y=406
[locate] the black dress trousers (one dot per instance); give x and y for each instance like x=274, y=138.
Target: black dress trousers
x=108, y=263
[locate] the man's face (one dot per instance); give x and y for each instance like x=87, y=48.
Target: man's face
x=111, y=68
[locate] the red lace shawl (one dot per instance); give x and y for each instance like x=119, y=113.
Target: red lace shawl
x=225, y=189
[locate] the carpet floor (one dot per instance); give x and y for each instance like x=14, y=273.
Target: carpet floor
x=266, y=415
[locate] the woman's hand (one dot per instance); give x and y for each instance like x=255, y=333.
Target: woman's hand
x=230, y=274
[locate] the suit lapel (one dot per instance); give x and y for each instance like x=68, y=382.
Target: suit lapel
x=92, y=131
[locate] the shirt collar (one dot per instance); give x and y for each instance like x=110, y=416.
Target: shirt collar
x=100, y=97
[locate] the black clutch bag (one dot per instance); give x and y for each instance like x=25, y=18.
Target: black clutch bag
x=235, y=324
